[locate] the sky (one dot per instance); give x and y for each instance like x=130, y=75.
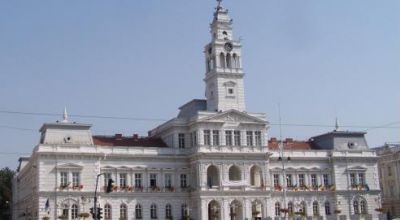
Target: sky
x=142, y=59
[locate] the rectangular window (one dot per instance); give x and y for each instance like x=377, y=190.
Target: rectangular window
x=249, y=135
x=314, y=182
x=237, y=138
x=183, y=181
x=228, y=138
x=122, y=180
x=153, y=180
x=361, y=178
x=107, y=176
x=389, y=171
x=181, y=140
x=258, y=137
x=326, y=179
x=301, y=180
x=289, y=182
x=207, y=137
x=353, y=181
x=75, y=179
x=276, y=180
x=194, y=138
x=168, y=180
x=63, y=179
x=138, y=180
x=215, y=137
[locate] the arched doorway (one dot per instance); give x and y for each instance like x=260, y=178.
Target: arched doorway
x=256, y=210
x=214, y=210
x=256, y=176
x=212, y=176
x=236, y=210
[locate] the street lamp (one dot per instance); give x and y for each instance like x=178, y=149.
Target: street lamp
x=97, y=214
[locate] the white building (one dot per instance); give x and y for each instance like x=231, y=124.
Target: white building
x=211, y=162
x=389, y=175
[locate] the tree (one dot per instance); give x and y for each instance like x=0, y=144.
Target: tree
x=6, y=176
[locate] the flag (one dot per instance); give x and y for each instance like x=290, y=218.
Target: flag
x=47, y=205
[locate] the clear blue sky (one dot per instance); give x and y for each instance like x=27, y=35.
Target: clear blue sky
x=143, y=59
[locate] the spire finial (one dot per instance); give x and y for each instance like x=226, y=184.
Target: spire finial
x=65, y=115
x=219, y=5
x=336, y=124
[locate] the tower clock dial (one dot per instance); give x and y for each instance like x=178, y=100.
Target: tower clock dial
x=228, y=46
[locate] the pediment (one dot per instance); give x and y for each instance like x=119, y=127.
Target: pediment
x=234, y=116
x=356, y=168
x=69, y=166
x=229, y=84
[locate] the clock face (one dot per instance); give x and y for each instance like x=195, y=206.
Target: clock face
x=228, y=46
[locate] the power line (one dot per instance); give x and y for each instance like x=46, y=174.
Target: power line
x=385, y=126
x=81, y=116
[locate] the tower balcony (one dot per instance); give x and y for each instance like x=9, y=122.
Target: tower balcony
x=228, y=70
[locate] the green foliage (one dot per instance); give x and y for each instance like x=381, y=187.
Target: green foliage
x=6, y=176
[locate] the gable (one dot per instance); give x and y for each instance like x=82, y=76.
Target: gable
x=69, y=166
x=233, y=116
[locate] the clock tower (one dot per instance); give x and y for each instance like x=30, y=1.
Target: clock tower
x=224, y=73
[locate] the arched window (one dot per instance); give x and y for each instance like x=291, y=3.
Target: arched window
x=303, y=206
x=65, y=210
x=315, y=208
x=138, y=211
x=74, y=211
x=107, y=211
x=228, y=61
x=363, y=207
x=256, y=209
x=327, y=208
x=290, y=207
x=222, y=60
x=123, y=212
x=168, y=211
x=212, y=176
x=277, y=209
x=153, y=211
x=235, y=61
x=256, y=176
x=355, y=207
x=234, y=173
x=184, y=210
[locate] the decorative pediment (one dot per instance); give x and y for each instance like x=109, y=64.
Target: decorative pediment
x=234, y=116
x=107, y=168
x=69, y=166
x=229, y=84
x=356, y=168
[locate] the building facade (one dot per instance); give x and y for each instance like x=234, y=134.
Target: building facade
x=389, y=175
x=211, y=162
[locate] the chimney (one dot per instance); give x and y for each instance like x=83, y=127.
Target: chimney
x=273, y=139
x=289, y=140
x=135, y=136
x=118, y=136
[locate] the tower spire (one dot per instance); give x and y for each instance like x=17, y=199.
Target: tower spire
x=65, y=115
x=336, y=124
x=219, y=4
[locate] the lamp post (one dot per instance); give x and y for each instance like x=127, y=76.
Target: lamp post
x=95, y=196
x=285, y=178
